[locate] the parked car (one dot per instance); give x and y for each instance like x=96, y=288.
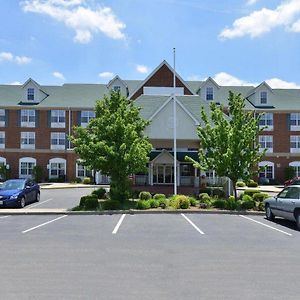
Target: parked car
x=294, y=181
x=18, y=192
x=286, y=205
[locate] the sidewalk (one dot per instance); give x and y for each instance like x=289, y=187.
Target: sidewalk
x=264, y=188
x=65, y=185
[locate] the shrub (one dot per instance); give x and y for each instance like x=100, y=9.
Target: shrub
x=77, y=180
x=289, y=172
x=174, y=202
x=154, y=203
x=204, y=191
x=260, y=197
x=230, y=203
x=202, y=195
x=247, y=198
x=86, y=180
x=91, y=203
x=144, y=196
x=252, y=183
x=248, y=204
x=111, y=205
x=261, y=206
x=218, y=203
x=100, y=193
x=203, y=205
x=163, y=203
x=143, y=204
x=219, y=192
x=82, y=201
x=240, y=184
x=250, y=192
x=37, y=173
x=134, y=194
x=241, y=196
x=193, y=201
x=184, y=201
x=159, y=196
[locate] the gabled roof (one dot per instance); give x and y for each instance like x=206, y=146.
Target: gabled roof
x=154, y=72
x=116, y=78
x=209, y=79
x=33, y=81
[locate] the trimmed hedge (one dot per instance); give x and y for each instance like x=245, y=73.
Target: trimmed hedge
x=260, y=197
x=145, y=196
x=231, y=204
x=240, y=184
x=91, y=203
x=100, y=193
x=86, y=180
x=218, y=203
x=193, y=201
x=159, y=196
x=143, y=204
x=252, y=183
x=250, y=192
x=154, y=203
x=111, y=205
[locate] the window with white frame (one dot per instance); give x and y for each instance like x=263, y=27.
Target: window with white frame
x=209, y=93
x=117, y=88
x=27, y=140
x=296, y=166
x=2, y=139
x=266, y=169
x=266, y=120
x=86, y=116
x=266, y=142
x=26, y=165
x=83, y=171
x=295, y=144
x=27, y=118
x=57, y=168
x=30, y=94
x=2, y=117
x=295, y=121
x=58, y=118
x=263, y=97
x=58, y=141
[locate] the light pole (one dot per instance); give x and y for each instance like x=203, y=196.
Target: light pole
x=174, y=126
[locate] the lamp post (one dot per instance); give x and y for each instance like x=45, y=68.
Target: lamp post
x=174, y=125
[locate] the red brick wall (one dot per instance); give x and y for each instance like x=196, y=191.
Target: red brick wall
x=164, y=78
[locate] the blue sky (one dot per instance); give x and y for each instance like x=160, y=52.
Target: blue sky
x=89, y=41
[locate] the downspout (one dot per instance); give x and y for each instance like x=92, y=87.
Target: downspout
x=69, y=142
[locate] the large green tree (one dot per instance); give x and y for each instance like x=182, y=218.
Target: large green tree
x=228, y=143
x=114, y=142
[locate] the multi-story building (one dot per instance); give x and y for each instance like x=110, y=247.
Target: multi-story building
x=35, y=121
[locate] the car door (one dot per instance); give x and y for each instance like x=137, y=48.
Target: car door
x=287, y=201
x=29, y=191
x=277, y=206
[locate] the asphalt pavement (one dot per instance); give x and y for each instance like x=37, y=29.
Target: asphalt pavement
x=148, y=257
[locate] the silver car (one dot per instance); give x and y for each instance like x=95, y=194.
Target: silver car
x=286, y=205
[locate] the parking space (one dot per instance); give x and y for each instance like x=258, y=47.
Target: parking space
x=175, y=256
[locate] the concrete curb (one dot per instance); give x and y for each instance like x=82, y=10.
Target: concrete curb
x=46, y=187
x=131, y=212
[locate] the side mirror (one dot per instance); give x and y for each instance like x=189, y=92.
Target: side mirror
x=27, y=187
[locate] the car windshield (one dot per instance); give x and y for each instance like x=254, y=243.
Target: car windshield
x=12, y=185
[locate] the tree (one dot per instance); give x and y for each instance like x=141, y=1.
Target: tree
x=228, y=144
x=113, y=142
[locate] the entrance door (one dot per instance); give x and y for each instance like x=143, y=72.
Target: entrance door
x=163, y=174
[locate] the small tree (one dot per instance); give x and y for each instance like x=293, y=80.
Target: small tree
x=4, y=172
x=290, y=172
x=114, y=143
x=37, y=173
x=228, y=143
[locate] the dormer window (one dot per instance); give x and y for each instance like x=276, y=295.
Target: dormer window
x=30, y=94
x=117, y=88
x=263, y=97
x=209, y=93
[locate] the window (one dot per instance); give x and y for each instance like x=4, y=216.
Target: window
x=266, y=142
x=82, y=171
x=295, y=144
x=57, y=168
x=30, y=94
x=263, y=97
x=2, y=139
x=296, y=166
x=295, y=121
x=266, y=169
x=86, y=116
x=27, y=140
x=209, y=93
x=187, y=170
x=58, y=119
x=266, y=120
x=27, y=118
x=2, y=117
x=117, y=88
x=58, y=141
x=26, y=165
x=290, y=193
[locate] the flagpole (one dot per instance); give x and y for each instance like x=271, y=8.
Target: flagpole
x=174, y=125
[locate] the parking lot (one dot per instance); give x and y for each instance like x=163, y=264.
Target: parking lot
x=177, y=256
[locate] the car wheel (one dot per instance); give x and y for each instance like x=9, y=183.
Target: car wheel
x=37, y=197
x=269, y=215
x=298, y=220
x=22, y=202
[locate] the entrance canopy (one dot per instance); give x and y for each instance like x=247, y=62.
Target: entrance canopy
x=164, y=156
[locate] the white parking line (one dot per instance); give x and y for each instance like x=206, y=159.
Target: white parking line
x=199, y=230
x=39, y=203
x=4, y=217
x=271, y=227
x=35, y=227
x=118, y=224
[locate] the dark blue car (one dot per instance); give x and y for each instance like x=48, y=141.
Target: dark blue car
x=18, y=192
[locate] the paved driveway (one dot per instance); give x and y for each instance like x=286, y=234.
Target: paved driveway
x=148, y=257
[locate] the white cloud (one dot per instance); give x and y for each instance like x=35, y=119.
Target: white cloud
x=15, y=83
x=142, y=69
x=277, y=83
x=195, y=78
x=77, y=15
x=224, y=78
x=106, y=75
x=262, y=21
x=20, y=60
x=58, y=75
x=252, y=2
x=6, y=56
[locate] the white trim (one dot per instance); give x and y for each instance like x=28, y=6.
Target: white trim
x=117, y=77
x=264, y=84
x=294, y=164
x=209, y=79
x=26, y=160
x=154, y=71
x=268, y=164
x=57, y=160
x=160, y=154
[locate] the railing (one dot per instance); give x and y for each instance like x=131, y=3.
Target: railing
x=187, y=180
